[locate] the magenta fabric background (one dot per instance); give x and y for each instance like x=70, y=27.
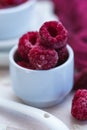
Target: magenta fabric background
x=73, y=14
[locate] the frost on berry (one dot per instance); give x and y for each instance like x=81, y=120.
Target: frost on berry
x=79, y=105
x=27, y=42
x=53, y=34
x=42, y=58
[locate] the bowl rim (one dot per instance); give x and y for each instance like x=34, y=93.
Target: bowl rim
x=17, y=8
x=13, y=50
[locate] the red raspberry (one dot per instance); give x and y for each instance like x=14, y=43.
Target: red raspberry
x=63, y=55
x=81, y=80
x=42, y=58
x=26, y=65
x=26, y=42
x=3, y=4
x=53, y=34
x=13, y=2
x=79, y=105
x=16, y=2
x=23, y=64
x=17, y=57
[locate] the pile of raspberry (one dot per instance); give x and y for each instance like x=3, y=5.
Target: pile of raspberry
x=43, y=49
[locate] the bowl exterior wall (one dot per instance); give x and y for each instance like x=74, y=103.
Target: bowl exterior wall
x=43, y=88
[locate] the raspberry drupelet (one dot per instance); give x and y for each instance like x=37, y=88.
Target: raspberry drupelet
x=79, y=105
x=25, y=65
x=27, y=42
x=53, y=34
x=42, y=58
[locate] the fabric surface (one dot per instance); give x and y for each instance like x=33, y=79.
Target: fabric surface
x=73, y=15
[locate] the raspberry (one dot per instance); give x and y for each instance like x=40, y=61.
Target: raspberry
x=26, y=42
x=16, y=2
x=13, y=2
x=81, y=80
x=42, y=58
x=63, y=55
x=53, y=34
x=79, y=105
x=23, y=64
x=17, y=57
x=3, y=4
x=26, y=65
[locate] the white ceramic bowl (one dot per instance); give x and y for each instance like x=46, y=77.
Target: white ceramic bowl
x=16, y=21
x=42, y=88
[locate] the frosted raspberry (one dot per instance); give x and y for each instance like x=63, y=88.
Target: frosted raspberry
x=79, y=105
x=53, y=34
x=42, y=58
x=23, y=64
x=13, y=2
x=26, y=42
x=63, y=55
x=16, y=2
x=81, y=80
x=26, y=65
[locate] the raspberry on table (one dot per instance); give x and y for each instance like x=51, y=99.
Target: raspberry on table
x=53, y=34
x=27, y=42
x=79, y=105
x=63, y=55
x=42, y=58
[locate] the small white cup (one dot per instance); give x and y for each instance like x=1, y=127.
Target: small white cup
x=42, y=88
x=16, y=21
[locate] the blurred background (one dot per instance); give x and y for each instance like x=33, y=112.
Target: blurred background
x=42, y=11
x=71, y=13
